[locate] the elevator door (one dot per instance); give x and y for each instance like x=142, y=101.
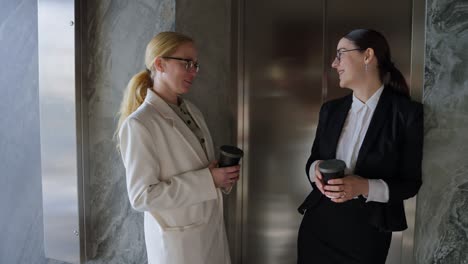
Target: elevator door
x=288, y=47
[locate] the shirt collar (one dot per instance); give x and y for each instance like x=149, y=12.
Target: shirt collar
x=371, y=102
x=153, y=97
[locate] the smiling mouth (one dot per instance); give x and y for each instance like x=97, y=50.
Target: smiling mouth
x=189, y=82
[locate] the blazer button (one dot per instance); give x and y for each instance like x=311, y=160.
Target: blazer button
x=202, y=140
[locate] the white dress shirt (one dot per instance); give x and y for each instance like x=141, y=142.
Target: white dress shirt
x=351, y=138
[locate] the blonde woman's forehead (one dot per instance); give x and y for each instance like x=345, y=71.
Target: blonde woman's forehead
x=187, y=50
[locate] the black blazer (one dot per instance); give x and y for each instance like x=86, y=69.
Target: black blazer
x=391, y=151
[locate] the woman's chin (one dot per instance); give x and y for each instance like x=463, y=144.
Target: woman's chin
x=184, y=89
x=342, y=84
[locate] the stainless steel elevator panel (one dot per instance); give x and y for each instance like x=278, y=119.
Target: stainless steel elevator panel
x=283, y=64
x=286, y=49
x=59, y=126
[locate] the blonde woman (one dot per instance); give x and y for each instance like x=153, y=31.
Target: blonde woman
x=168, y=155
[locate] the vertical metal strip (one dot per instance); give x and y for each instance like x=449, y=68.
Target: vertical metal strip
x=244, y=108
x=242, y=132
x=325, y=51
x=416, y=90
x=417, y=49
x=60, y=127
x=82, y=130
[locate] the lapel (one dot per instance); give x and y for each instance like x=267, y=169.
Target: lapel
x=177, y=124
x=376, y=124
x=336, y=121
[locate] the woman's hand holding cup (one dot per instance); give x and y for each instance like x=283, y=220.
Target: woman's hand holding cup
x=224, y=177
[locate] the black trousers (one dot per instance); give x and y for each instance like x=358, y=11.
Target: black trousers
x=332, y=233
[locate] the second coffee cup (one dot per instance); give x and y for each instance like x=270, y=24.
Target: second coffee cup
x=331, y=169
x=229, y=156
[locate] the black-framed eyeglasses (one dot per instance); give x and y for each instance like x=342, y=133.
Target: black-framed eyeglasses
x=189, y=64
x=341, y=51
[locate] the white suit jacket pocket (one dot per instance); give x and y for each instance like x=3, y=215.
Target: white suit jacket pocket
x=181, y=219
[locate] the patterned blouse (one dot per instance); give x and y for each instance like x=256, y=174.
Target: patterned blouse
x=182, y=111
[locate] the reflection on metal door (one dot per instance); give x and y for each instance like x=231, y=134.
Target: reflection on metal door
x=285, y=53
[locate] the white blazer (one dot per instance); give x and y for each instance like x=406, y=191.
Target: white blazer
x=168, y=179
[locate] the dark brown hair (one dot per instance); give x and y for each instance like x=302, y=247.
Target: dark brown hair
x=388, y=73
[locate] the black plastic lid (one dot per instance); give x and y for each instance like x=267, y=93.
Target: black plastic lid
x=332, y=166
x=231, y=151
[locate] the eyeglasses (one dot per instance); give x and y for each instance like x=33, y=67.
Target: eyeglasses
x=189, y=64
x=341, y=51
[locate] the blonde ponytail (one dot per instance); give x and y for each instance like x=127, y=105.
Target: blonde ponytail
x=134, y=96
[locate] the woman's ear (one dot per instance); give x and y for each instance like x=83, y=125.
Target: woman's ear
x=369, y=55
x=158, y=64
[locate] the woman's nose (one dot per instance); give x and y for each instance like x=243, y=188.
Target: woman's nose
x=335, y=63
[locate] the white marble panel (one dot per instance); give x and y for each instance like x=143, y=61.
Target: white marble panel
x=116, y=35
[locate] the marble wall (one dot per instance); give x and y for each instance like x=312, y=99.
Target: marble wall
x=116, y=35
x=442, y=211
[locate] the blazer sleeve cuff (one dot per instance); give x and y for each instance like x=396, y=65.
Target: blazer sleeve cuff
x=312, y=171
x=378, y=191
